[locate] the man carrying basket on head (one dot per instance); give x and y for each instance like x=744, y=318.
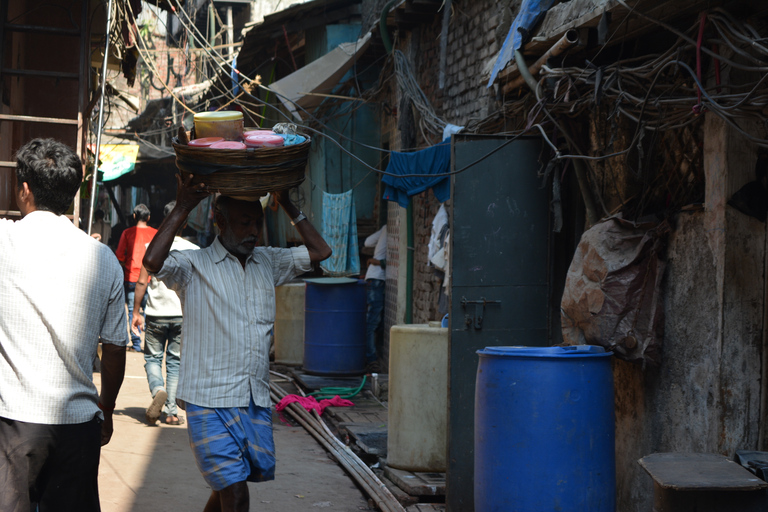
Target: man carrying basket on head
x=227, y=292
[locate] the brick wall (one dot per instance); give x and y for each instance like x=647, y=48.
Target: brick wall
x=426, y=285
x=473, y=42
x=475, y=36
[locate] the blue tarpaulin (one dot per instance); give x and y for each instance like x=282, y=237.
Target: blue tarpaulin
x=531, y=12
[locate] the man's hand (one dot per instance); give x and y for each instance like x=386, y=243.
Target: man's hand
x=112, y=373
x=188, y=195
x=107, y=428
x=317, y=247
x=137, y=324
x=282, y=197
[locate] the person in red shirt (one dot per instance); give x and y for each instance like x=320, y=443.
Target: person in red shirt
x=130, y=252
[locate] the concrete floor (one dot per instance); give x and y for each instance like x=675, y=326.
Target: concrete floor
x=145, y=468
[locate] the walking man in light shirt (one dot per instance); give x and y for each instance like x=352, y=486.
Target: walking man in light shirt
x=61, y=291
x=375, y=284
x=227, y=293
x=163, y=336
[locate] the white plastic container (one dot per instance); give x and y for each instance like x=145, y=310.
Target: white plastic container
x=289, y=324
x=418, y=398
x=227, y=124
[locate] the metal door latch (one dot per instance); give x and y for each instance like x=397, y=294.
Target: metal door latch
x=479, y=310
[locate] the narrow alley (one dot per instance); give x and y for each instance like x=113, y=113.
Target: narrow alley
x=152, y=467
x=146, y=468
x=527, y=239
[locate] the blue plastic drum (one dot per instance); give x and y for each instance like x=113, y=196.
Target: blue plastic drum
x=334, y=326
x=544, y=430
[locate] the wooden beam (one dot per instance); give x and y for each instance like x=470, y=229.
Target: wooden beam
x=11, y=27
x=44, y=74
x=35, y=119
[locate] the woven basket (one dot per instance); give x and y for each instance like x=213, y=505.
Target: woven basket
x=244, y=173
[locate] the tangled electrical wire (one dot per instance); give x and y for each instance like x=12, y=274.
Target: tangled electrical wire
x=250, y=103
x=656, y=99
x=645, y=113
x=668, y=91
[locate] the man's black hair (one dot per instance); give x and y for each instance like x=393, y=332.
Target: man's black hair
x=99, y=214
x=168, y=208
x=141, y=212
x=52, y=171
x=222, y=203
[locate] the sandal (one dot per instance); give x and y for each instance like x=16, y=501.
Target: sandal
x=174, y=420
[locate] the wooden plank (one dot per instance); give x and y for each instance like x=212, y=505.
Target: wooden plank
x=36, y=29
x=417, y=484
x=371, y=438
x=34, y=119
x=699, y=471
x=403, y=497
x=40, y=73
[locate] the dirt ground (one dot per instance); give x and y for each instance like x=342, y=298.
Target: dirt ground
x=152, y=468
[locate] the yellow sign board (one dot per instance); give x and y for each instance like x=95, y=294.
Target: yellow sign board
x=117, y=159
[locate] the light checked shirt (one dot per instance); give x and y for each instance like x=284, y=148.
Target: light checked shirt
x=60, y=290
x=228, y=313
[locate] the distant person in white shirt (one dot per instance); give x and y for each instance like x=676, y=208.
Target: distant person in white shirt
x=61, y=292
x=163, y=334
x=227, y=293
x=375, y=284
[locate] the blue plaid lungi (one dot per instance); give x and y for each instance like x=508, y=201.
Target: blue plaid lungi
x=232, y=445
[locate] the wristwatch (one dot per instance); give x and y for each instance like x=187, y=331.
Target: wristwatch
x=300, y=217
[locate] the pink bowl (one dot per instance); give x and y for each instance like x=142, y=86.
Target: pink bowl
x=228, y=144
x=205, y=141
x=258, y=132
x=264, y=140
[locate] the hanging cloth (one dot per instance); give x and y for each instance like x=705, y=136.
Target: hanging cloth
x=340, y=232
x=433, y=160
x=200, y=214
x=439, y=223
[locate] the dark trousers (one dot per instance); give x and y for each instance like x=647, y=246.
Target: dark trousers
x=49, y=468
x=374, y=290
x=130, y=293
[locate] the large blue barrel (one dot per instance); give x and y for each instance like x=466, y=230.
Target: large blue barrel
x=334, y=326
x=544, y=430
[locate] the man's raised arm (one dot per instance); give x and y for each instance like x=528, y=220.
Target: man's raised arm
x=316, y=245
x=187, y=197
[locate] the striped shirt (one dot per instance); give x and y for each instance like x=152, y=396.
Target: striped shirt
x=60, y=290
x=228, y=313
